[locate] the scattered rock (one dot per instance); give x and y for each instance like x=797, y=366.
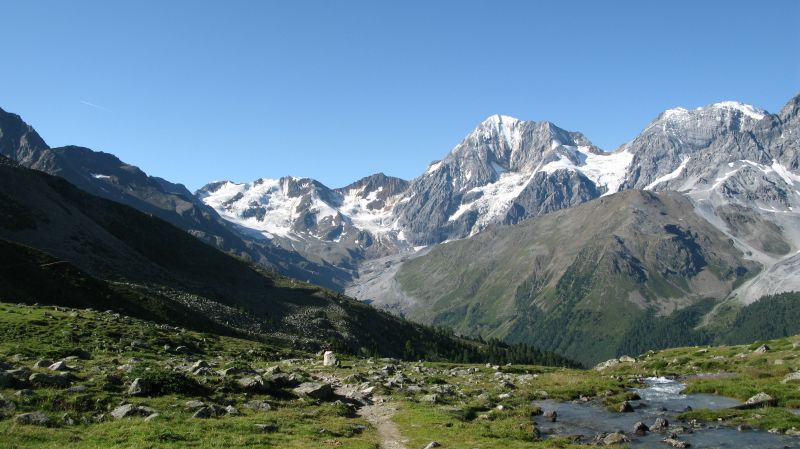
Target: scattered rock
x=625, y=407
x=791, y=377
x=660, y=424
x=615, y=438
x=199, y=364
x=432, y=445
x=255, y=384
x=7, y=380
x=124, y=411
x=43, y=363
x=194, y=405
x=232, y=411
x=640, y=428
x=551, y=415
x=258, y=405
x=33, y=419
x=607, y=364
x=314, y=390
x=675, y=442
x=759, y=400
x=627, y=359
x=151, y=417
x=203, y=413
x=51, y=380
x=139, y=387
x=59, y=366
x=7, y=405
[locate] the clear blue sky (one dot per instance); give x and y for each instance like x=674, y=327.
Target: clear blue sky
x=337, y=90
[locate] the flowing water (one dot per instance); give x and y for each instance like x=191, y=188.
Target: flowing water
x=660, y=398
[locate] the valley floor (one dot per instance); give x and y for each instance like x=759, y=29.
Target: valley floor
x=83, y=379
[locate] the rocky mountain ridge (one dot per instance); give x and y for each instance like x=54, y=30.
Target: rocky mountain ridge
x=725, y=156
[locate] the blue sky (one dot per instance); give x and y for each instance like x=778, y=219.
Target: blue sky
x=336, y=90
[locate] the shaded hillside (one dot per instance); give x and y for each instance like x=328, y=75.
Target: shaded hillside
x=104, y=175
x=576, y=281
x=65, y=246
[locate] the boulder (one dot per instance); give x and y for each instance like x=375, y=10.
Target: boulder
x=432, y=445
x=329, y=358
x=43, y=363
x=640, y=428
x=258, y=405
x=7, y=405
x=7, y=380
x=625, y=407
x=194, y=405
x=51, y=380
x=203, y=413
x=550, y=415
x=607, y=364
x=660, y=424
x=255, y=384
x=759, y=400
x=33, y=419
x=315, y=390
x=59, y=366
x=232, y=411
x=199, y=364
x=627, y=359
x=139, y=387
x=762, y=349
x=791, y=377
x=675, y=442
x=615, y=438
x=209, y=411
x=127, y=410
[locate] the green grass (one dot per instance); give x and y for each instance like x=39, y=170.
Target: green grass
x=39, y=332
x=465, y=413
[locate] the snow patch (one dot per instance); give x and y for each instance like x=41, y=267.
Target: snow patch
x=433, y=167
x=669, y=176
x=746, y=109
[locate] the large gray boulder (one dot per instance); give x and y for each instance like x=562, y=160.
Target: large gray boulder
x=51, y=380
x=315, y=390
x=33, y=419
x=129, y=410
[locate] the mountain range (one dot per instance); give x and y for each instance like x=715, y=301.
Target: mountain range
x=545, y=226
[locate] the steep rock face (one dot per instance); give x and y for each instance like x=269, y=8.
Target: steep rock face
x=18, y=140
x=738, y=164
x=501, y=172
